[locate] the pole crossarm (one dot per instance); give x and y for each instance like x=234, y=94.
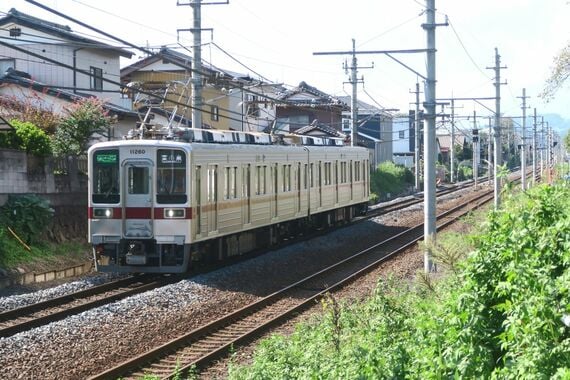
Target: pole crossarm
x=350, y=52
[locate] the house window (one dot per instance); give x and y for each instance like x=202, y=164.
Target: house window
x=6, y=64
x=345, y=124
x=252, y=106
x=402, y=134
x=96, y=78
x=214, y=113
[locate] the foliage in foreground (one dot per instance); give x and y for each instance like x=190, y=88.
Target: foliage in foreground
x=27, y=137
x=501, y=315
x=390, y=179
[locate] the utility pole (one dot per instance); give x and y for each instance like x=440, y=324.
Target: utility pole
x=489, y=153
x=429, y=138
x=354, y=101
x=541, y=146
x=534, y=149
x=523, y=146
x=452, y=153
x=196, y=64
x=196, y=82
x=475, y=137
x=498, y=145
x=429, y=116
x=417, y=139
x=548, y=152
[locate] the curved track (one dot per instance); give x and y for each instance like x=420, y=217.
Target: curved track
x=200, y=347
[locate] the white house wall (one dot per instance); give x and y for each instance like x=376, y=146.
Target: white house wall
x=62, y=51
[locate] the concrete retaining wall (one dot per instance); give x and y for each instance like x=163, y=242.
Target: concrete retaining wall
x=32, y=277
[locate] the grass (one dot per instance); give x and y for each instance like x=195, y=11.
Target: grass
x=41, y=256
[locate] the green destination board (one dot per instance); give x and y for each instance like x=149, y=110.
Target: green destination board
x=108, y=158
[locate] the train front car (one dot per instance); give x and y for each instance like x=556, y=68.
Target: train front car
x=139, y=206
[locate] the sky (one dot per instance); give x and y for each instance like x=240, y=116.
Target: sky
x=276, y=40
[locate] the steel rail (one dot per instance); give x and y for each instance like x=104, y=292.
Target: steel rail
x=41, y=313
x=216, y=338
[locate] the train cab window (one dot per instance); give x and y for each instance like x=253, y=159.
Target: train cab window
x=171, y=176
x=105, y=179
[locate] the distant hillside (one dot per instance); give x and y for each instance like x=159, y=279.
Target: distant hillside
x=558, y=124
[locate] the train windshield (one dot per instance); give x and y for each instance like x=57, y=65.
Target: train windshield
x=106, y=176
x=171, y=176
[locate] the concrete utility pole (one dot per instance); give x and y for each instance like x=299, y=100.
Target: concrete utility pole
x=429, y=137
x=475, y=137
x=498, y=145
x=489, y=153
x=452, y=153
x=541, y=145
x=534, y=149
x=429, y=116
x=523, y=146
x=417, y=139
x=196, y=83
x=548, y=152
x=354, y=101
x=196, y=64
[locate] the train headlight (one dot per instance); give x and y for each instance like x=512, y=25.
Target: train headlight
x=174, y=213
x=104, y=213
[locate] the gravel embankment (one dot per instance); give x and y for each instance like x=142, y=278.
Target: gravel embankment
x=19, y=300
x=90, y=342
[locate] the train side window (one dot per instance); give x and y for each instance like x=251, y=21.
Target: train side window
x=312, y=175
x=263, y=181
x=286, y=178
x=305, y=174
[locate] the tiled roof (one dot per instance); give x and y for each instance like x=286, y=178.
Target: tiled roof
x=23, y=79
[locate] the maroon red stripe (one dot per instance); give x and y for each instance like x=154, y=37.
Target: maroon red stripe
x=140, y=212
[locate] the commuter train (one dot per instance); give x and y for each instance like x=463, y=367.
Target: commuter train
x=158, y=204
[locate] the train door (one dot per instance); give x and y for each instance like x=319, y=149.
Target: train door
x=247, y=194
x=137, y=207
x=275, y=177
x=212, y=198
x=351, y=180
x=336, y=185
x=320, y=183
x=198, y=192
x=299, y=187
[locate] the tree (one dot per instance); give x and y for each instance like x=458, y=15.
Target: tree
x=567, y=141
x=84, y=119
x=27, y=137
x=32, y=109
x=559, y=75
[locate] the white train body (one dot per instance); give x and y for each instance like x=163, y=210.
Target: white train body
x=156, y=205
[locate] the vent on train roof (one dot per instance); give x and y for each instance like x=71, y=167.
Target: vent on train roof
x=229, y=137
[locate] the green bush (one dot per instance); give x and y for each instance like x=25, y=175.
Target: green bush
x=390, y=179
x=464, y=172
x=504, y=314
x=28, y=215
x=27, y=137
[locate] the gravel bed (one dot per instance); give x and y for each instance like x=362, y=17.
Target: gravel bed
x=19, y=300
x=97, y=339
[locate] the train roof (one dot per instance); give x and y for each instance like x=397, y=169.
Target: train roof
x=195, y=135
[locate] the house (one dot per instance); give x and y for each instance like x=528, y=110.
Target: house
x=161, y=83
x=374, y=129
x=299, y=106
x=403, y=139
x=17, y=89
x=88, y=67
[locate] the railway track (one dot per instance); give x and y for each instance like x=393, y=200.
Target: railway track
x=41, y=313
x=201, y=346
